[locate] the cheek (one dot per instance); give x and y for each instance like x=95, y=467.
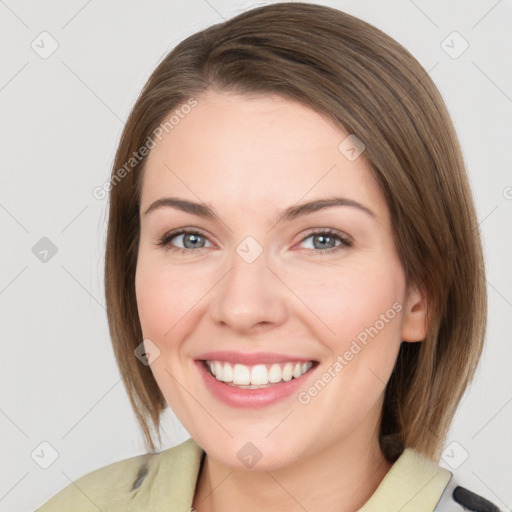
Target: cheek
x=166, y=296
x=358, y=315
x=359, y=301
x=369, y=333
x=165, y=302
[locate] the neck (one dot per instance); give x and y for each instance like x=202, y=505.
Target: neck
x=341, y=478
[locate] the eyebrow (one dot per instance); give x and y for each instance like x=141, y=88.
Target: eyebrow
x=290, y=213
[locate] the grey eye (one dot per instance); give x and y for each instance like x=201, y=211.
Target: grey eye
x=191, y=240
x=322, y=241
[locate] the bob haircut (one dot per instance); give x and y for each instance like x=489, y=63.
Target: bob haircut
x=372, y=87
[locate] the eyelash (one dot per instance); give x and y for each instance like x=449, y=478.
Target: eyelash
x=345, y=241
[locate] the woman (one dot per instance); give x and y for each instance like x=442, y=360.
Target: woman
x=293, y=265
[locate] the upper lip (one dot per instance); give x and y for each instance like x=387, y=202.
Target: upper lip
x=249, y=359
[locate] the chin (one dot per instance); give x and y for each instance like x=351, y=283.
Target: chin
x=258, y=454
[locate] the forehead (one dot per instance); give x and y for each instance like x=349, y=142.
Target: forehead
x=259, y=150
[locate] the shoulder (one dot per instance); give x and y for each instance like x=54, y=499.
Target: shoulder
x=143, y=482
x=447, y=497
x=417, y=484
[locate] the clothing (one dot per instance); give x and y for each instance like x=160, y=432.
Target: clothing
x=166, y=481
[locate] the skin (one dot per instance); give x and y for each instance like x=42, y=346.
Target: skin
x=250, y=158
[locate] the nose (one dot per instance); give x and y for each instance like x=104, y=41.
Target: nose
x=250, y=298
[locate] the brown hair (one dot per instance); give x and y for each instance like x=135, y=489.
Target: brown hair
x=375, y=89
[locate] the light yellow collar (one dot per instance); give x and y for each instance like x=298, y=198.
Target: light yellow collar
x=413, y=484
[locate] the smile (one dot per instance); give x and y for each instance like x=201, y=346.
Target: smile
x=258, y=376
x=254, y=380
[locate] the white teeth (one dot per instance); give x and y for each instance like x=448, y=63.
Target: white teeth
x=305, y=367
x=241, y=375
x=258, y=375
x=227, y=373
x=275, y=374
x=287, y=372
x=218, y=370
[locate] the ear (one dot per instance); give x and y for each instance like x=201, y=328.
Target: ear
x=414, y=324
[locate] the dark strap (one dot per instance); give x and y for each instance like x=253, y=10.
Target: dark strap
x=456, y=499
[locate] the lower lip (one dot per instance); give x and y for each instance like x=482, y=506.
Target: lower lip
x=251, y=398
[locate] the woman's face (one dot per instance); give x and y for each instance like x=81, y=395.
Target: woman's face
x=303, y=301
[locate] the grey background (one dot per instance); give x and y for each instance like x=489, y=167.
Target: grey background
x=61, y=118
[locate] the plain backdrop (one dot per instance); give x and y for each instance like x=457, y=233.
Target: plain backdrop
x=69, y=75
